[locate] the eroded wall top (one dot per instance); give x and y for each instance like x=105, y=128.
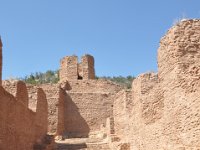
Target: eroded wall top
x=71, y=69
x=179, y=48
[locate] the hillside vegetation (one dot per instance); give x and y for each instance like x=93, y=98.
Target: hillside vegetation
x=53, y=77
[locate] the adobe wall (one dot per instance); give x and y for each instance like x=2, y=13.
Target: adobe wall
x=18, y=124
x=165, y=112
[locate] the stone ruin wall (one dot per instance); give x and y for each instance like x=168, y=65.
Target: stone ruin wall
x=41, y=117
x=79, y=98
x=88, y=104
x=20, y=127
x=52, y=95
x=71, y=69
x=165, y=106
x=120, y=112
x=87, y=67
x=161, y=112
x=181, y=85
x=85, y=112
x=74, y=99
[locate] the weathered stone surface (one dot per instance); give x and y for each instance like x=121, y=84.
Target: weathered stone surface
x=161, y=112
x=165, y=107
x=22, y=93
x=41, y=113
x=61, y=112
x=17, y=124
x=71, y=69
x=87, y=66
x=180, y=82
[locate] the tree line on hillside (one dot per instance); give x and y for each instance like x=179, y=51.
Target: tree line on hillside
x=41, y=78
x=53, y=77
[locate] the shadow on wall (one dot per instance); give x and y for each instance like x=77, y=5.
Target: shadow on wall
x=75, y=124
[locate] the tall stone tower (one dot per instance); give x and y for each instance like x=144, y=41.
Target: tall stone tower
x=71, y=69
x=1, y=60
x=88, y=71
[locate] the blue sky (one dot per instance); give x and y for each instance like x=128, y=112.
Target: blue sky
x=122, y=35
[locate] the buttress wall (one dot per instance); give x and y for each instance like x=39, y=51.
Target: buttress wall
x=18, y=124
x=41, y=117
x=53, y=100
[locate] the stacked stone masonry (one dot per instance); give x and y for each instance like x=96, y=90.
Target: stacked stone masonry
x=70, y=69
x=20, y=128
x=160, y=112
x=166, y=106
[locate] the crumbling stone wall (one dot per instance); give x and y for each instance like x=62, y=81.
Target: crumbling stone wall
x=85, y=112
x=161, y=112
x=87, y=66
x=180, y=82
x=22, y=93
x=165, y=112
x=120, y=112
x=52, y=95
x=75, y=101
x=93, y=86
x=61, y=112
x=41, y=113
x=70, y=69
x=145, y=117
x=18, y=124
x=92, y=102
